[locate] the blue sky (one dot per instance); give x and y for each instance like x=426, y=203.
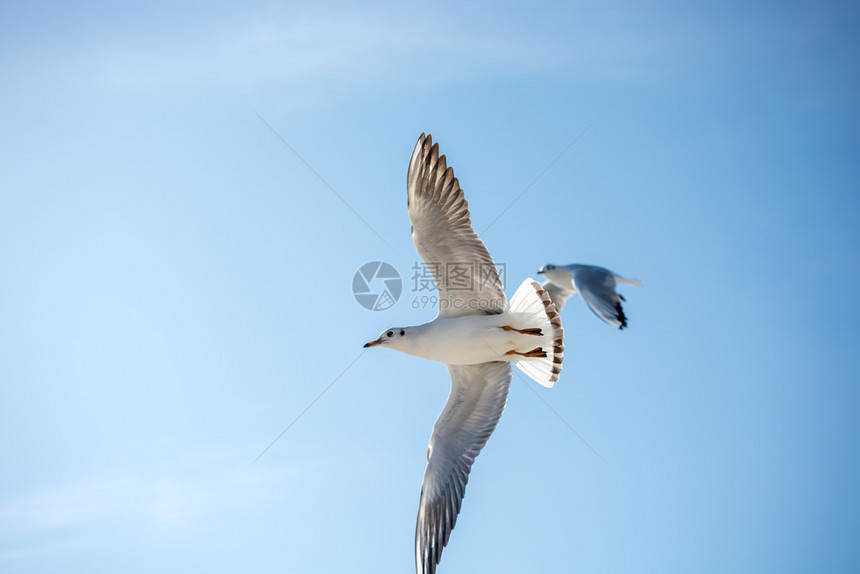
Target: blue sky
x=175, y=283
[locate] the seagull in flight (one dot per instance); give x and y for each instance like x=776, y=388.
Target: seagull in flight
x=477, y=333
x=596, y=286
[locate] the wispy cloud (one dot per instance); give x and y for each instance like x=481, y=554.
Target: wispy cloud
x=93, y=512
x=165, y=503
x=337, y=53
x=358, y=49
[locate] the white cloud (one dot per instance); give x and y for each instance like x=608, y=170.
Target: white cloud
x=166, y=504
x=93, y=512
x=330, y=53
x=361, y=49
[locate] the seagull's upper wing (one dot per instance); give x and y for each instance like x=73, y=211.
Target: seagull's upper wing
x=477, y=399
x=558, y=294
x=596, y=286
x=465, y=274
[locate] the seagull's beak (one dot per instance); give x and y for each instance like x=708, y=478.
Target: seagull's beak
x=540, y=271
x=373, y=343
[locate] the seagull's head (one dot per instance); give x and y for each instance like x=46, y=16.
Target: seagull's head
x=395, y=337
x=555, y=274
x=549, y=271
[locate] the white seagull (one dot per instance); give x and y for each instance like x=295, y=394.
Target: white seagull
x=595, y=285
x=477, y=333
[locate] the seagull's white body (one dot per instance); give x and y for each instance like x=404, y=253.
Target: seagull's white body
x=470, y=339
x=477, y=333
x=596, y=286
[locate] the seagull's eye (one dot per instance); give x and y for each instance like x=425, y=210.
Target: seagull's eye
x=389, y=334
x=402, y=332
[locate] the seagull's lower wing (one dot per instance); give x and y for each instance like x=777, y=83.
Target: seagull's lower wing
x=558, y=294
x=477, y=399
x=596, y=286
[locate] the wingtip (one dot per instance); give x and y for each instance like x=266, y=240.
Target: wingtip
x=423, y=140
x=621, y=316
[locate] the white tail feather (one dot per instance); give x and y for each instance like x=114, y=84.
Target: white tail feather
x=536, y=310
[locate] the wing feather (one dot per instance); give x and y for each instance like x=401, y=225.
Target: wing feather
x=466, y=276
x=477, y=400
x=596, y=286
x=558, y=294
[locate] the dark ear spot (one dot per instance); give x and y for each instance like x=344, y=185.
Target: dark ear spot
x=390, y=333
x=402, y=332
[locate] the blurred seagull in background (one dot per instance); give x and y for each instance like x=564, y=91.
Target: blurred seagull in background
x=477, y=333
x=595, y=285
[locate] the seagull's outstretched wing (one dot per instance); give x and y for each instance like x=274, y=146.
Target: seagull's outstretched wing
x=596, y=286
x=465, y=274
x=477, y=399
x=558, y=294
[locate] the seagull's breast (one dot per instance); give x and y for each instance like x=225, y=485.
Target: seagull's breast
x=467, y=340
